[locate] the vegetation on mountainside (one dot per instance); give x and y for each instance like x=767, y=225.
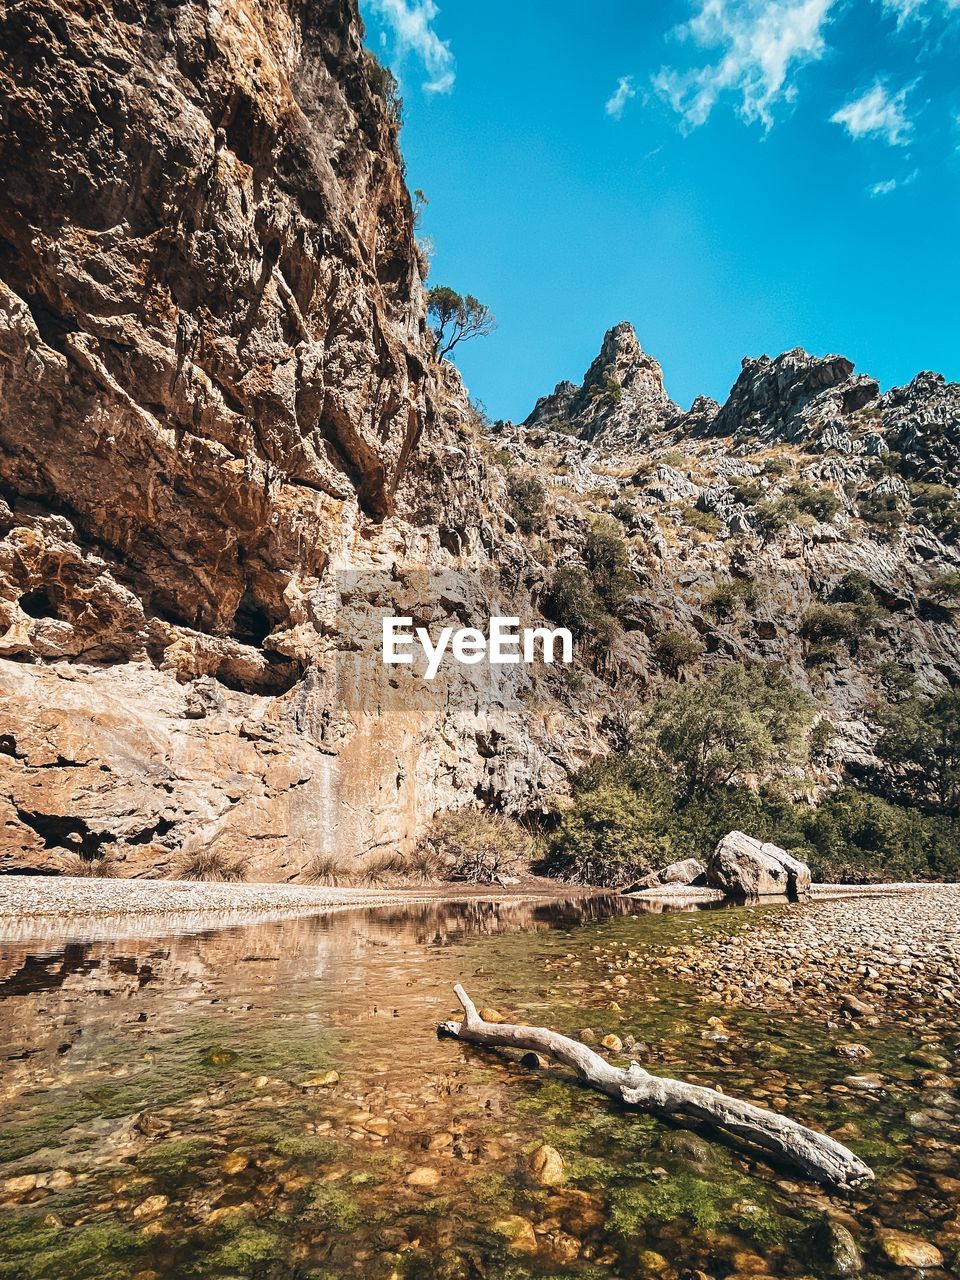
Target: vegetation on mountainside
x=385, y=85
x=528, y=500
x=586, y=599
x=456, y=318
x=728, y=753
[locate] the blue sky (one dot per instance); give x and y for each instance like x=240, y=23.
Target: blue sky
x=735, y=177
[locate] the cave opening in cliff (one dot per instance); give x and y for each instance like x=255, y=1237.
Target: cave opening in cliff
x=252, y=622
x=39, y=604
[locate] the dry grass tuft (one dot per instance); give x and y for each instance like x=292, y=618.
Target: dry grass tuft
x=324, y=869
x=101, y=868
x=209, y=864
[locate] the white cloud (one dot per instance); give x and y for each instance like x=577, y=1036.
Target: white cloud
x=891, y=184
x=906, y=10
x=620, y=97
x=411, y=22
x=762, y=45
x=875, y=114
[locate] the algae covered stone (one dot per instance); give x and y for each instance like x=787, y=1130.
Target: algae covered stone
x=546, y=1165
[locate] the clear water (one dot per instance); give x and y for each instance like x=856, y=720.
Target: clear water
x=159, y=1120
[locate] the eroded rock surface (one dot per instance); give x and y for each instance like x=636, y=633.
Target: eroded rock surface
x=225, y=449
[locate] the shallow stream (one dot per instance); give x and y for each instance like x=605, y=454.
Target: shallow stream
x=271, y=1102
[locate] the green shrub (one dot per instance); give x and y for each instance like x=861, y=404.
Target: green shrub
x=945, y=587
x=610, y=836
x=776, y=514
x=746, y=491
x=936, y=505
x=919, y=745
x=778, y=465
x=674, y=649
x=822, y=504
x=572, y=602
x=618, y=827
x=723, y=599
x=855, y=836
x=705, y=521
x=881, y=509
x=528, y=500
x=831, y=624
x=607, y=561
x=740, y=720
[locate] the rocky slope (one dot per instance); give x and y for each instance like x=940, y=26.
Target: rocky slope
x=225, y=448
x=810, y=521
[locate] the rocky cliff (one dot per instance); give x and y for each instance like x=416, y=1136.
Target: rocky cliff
x=811, y=521
x=224, y=441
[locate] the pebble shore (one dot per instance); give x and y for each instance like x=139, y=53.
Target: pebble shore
x=857, y=955
x=67, y=895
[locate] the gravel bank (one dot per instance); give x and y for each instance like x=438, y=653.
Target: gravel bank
x=65, y=895
x=857, y=955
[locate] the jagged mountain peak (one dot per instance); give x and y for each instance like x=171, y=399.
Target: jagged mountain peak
x=622, y=395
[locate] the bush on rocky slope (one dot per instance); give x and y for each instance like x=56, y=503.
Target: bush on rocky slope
x=681, y=788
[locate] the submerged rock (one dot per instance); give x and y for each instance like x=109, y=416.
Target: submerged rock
x=547, y=1166
x=832, y=1249
x=910, y=1251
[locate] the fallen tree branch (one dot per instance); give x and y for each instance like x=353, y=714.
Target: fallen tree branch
x=819, y=1156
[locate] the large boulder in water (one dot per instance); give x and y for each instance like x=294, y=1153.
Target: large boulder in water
x=687, y=872
x=747, y=868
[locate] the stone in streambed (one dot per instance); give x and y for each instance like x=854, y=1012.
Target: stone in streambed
x=910, y=1251
x=747, y=868
x=322, y=1080
x=687, y=872
x=831, y=1248
x=519, y=1233
x=856, y=1052
x=424, y=1179
x=688, y=1146
x=860, y=1008
x=546, y=1165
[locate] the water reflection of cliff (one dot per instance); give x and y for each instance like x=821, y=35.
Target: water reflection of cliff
x=56, y=996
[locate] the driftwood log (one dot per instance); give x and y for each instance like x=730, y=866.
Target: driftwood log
x=820, y=1157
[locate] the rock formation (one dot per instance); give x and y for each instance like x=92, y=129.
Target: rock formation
x=225, y=444
x=747, y=868
x=810, y=521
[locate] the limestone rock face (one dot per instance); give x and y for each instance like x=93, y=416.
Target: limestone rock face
x=226, y=449
x=747, y=868
x=622, y=397
x=792, y=397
